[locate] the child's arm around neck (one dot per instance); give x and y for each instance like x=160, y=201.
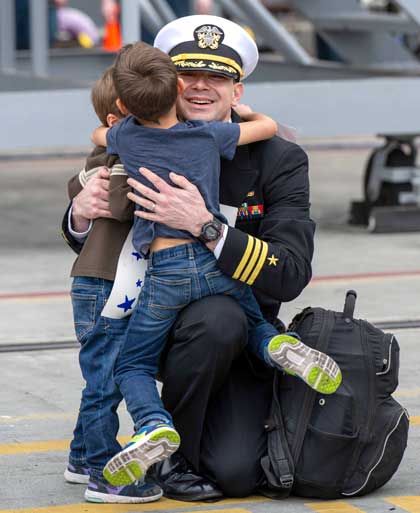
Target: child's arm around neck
x=256, y=127
x=99, y=136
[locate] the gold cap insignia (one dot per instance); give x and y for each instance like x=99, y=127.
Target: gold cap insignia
x=209, y=36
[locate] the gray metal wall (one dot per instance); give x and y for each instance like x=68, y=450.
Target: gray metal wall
x=64, y=119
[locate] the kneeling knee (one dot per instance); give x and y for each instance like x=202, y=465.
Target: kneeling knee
x=224, y=322
x=238, y=480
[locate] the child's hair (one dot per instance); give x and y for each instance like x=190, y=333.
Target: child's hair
x=146, y=81
x=104, y=97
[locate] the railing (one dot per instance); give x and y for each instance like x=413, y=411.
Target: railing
x=7, y=36
x=39, y=36
x=130, y=13
x=378, y=45
x=154, y=14
x=265, y=23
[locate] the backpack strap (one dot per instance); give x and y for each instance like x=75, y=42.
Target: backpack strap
x=278, y=463
x=327, y=326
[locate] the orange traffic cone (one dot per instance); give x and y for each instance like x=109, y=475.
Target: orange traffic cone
x=112, y=40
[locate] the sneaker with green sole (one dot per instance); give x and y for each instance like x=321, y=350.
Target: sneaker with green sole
x=294, y=357
x=150, y=445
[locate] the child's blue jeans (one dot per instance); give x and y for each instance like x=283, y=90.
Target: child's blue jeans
x=94, y=438
x=175, y=277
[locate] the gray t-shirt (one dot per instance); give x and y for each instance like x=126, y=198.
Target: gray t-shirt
x=192, y=149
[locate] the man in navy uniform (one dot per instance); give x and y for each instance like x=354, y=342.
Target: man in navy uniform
x=217, y=393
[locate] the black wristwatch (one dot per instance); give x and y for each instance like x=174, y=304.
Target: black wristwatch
x=210, y=231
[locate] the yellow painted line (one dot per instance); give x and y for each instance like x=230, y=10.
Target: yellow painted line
x=25, y=447
x=63, y=445
x=42, y=446
x=160, y=505
x=228, y=510
x=409, y=503
x=333, y=507
x=405, y=392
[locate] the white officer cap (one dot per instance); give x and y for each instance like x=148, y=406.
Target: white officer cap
x=209, y=43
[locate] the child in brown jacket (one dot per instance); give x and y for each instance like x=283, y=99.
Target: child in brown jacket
x=94, y=440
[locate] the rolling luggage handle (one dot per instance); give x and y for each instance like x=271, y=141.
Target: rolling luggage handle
x=349, y=304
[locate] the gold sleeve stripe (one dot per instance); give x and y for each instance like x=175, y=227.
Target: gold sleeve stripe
x=260, y=263
x=252, y=261
x=244, y=258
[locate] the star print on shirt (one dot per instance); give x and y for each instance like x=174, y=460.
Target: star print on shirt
x=137, y=255
x=127, y=305
x=139, y=283
x=272, y=260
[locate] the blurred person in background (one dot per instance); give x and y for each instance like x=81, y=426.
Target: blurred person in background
x=180, y=8
x=65, y=23
x=75, y=26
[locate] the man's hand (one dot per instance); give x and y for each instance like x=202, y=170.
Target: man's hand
x=92, y=202
x=181, y=207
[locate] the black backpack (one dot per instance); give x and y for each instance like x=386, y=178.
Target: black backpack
x=348, y=443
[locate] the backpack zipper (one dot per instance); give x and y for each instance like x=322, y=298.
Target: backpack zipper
x=387, y=360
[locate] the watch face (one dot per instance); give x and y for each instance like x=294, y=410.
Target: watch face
x=211, y=233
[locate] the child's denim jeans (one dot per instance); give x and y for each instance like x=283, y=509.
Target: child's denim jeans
x=175, y=277
x=94, y=439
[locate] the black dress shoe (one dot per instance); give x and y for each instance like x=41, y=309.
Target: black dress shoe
x=178, y=481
